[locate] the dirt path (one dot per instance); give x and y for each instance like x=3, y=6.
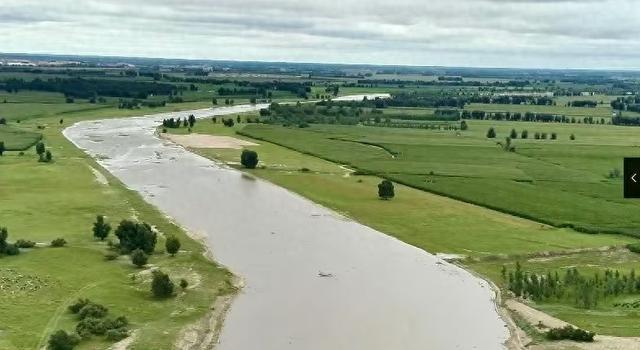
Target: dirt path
x=536, y=317
x=53, y=321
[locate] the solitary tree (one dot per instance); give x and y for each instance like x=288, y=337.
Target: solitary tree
x=48, y=157
x=249, y=159
x=139, y=258
x=40, y=149
x=491, y=133
x=161, y=285
x=385, y=190
x=172, y=245
x=572, y=137
x=101, y=229
x=524, y=134
x=463, y=125
x=214, y=101
x=2, y=148
x=514, y=134
x=192, y=120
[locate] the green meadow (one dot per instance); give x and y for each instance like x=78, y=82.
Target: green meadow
x=560, y=182
x=44, y=201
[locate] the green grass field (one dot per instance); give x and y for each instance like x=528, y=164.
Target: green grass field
x=441, y=225
x=559, y=182
x=41, y=202
x=16, y=139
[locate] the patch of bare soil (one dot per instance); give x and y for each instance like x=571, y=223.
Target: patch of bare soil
x=543, y=322
x=208, y=141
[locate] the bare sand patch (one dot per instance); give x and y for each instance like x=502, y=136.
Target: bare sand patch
x=208, y=141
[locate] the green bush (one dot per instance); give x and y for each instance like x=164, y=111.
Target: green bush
x=249, y=159
x=161, y=285
x=139, y=258
x=385, y=189
x=92, y=310
x=570, y=333
x=21, y=243
x=491, y=133
x=172, y=245
x=61, y=340
x=58, y=242
x=90, y=326
x=117, y=334
x=78, y=305
x=634, y=247
x=133, y=235
x=11, y=249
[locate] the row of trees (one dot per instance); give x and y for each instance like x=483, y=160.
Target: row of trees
x=491, y=133
x=583, y=291
x=177, y=122
x=89, y=88
x=530, y=117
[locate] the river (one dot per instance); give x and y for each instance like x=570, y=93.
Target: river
x=313, y=278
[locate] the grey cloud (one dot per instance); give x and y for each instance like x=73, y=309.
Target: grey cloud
x=543, y=33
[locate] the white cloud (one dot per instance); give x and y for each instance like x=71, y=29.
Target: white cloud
x=519, y=33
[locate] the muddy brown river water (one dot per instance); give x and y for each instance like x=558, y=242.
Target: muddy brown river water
x=313, y=278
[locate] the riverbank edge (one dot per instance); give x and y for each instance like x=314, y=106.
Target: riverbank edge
x=517, y=339
x=207, y=328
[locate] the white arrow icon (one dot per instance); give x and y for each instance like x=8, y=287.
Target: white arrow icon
x=633, y=177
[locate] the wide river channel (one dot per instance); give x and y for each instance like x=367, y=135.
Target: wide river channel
x=313, y=278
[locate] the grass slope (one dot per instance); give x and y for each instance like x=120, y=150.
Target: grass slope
x=41, y=202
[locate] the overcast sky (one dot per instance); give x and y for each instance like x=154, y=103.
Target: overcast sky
x=491, y=33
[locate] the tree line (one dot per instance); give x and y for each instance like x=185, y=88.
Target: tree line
x=572, y=286
x=89, y=88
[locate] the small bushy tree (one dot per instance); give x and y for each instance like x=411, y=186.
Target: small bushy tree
x=161, y=285
x=62, y=340
x=58, y=242
x=139, y=258
x=249, y=159
x=491, y=133
x=463, y=125
x=572, y=137
x=133, y=235
x=524, y=134
x=386, y=190
x=101, y=229
x=514, y=134
x=172, y=245
x=40, y=149
x=2, y=148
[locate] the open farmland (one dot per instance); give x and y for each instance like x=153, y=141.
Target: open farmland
x=561, y=182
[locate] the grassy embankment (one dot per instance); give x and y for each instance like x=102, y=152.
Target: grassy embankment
x=41, y=202
x=440, y=224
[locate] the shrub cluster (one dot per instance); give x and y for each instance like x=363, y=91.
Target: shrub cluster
x=93, y=321
x=570, y=333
